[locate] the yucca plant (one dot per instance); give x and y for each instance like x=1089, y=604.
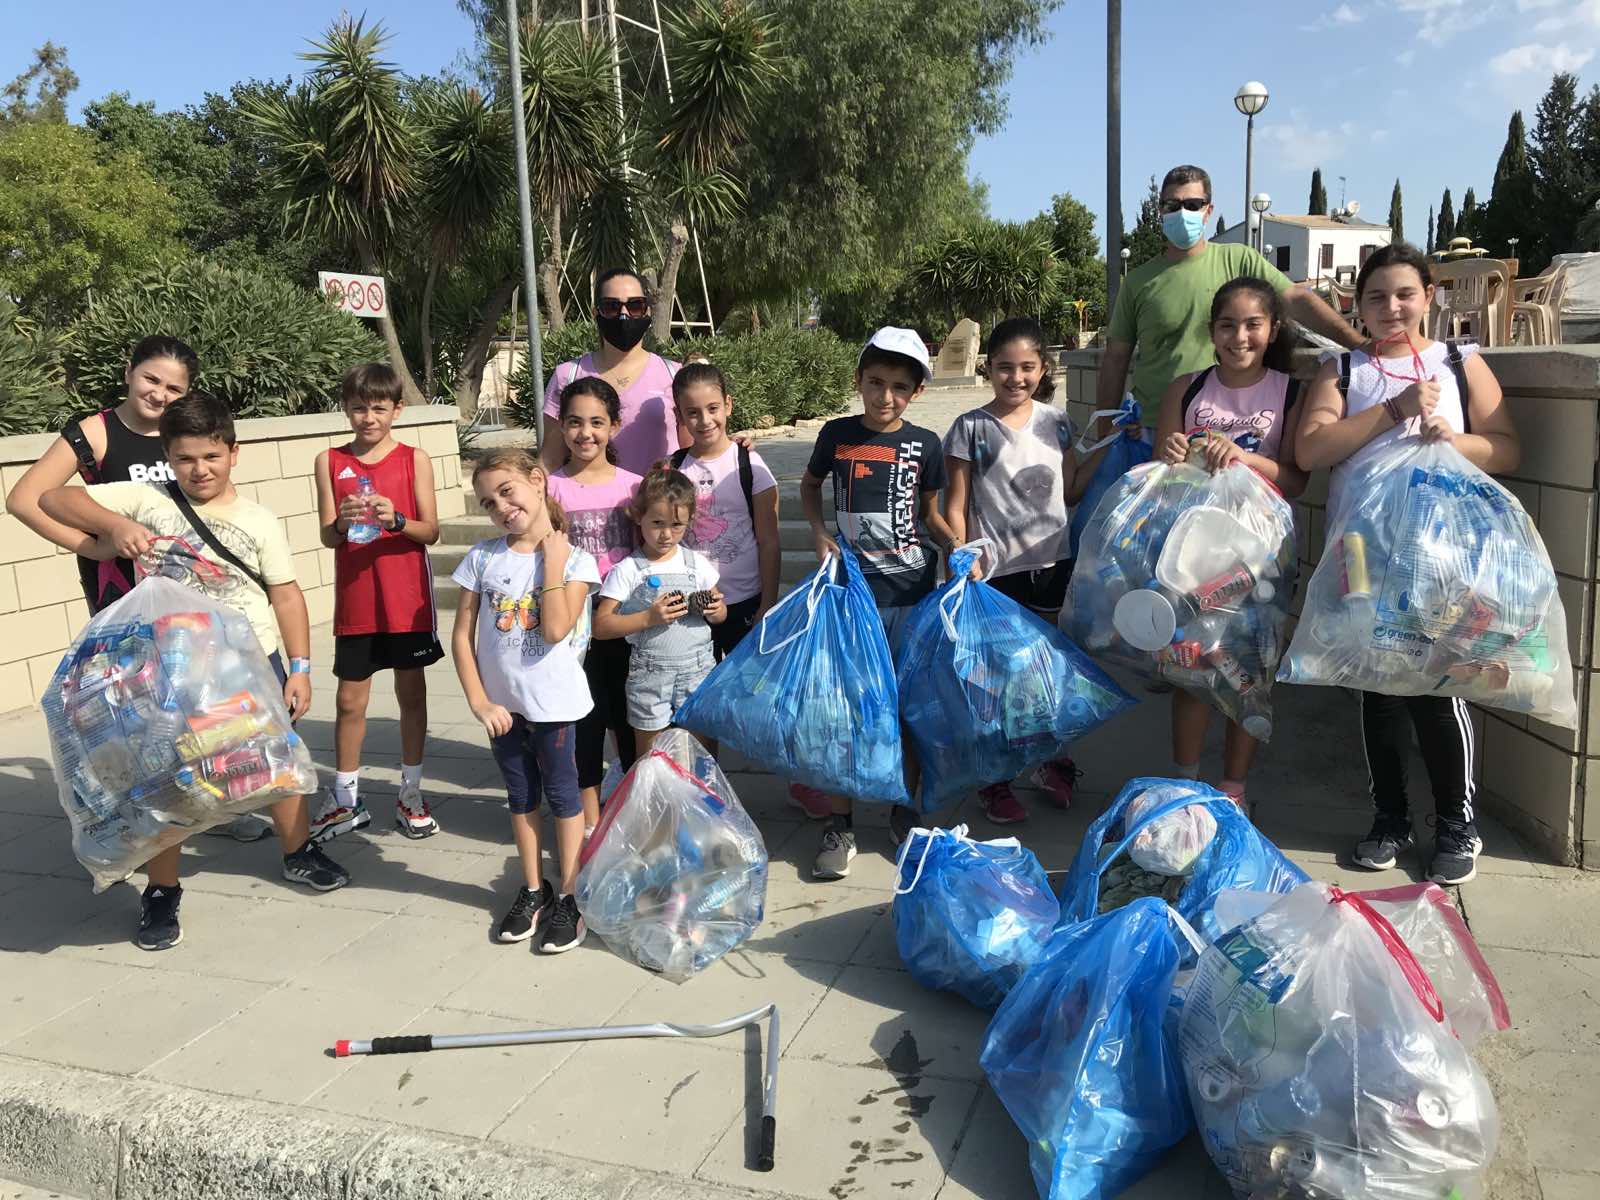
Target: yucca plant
x=33, y=393
x=989, y=270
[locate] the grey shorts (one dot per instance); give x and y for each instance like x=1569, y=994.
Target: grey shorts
x=657, y=686
x=894, y=620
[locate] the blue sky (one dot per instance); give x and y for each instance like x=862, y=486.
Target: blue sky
x=1419, y=89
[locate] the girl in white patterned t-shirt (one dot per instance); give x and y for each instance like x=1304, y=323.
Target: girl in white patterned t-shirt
x=1402, y=385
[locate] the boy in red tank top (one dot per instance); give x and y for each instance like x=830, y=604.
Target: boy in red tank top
x=375, y=504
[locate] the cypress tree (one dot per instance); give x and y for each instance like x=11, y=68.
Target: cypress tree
x=1428, y=245
x=1397, y=217
x=1318, y=206
x=1447, y=222
x=1559, y=180
x=1510, y=211
x=1466, y=224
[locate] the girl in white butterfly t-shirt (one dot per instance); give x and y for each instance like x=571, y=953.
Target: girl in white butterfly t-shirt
x=1402, y=385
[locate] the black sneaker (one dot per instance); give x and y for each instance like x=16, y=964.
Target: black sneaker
x=310, y=866
x=158, y=918
x=565, y=929
x=1389, y=837
x=526, y=912
x=902, y=821
x=1456, y=846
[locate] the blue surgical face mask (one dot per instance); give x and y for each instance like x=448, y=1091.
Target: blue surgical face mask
x=1184, y=228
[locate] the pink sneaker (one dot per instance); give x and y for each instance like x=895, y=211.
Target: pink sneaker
x=1059, y=780
x=815, y=804
x=1000, y=804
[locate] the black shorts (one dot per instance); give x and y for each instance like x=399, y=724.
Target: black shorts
x=1043, y=591
x=731, y=632
x=358, y=656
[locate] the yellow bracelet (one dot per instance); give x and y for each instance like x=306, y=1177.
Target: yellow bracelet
x=554, y=587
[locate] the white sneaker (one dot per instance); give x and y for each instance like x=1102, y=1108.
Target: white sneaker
x=411, y=814
x=332, y=819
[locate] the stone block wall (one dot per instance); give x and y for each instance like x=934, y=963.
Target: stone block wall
x=42, y=606
x=1541, y=780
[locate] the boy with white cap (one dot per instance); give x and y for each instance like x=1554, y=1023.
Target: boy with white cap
x=887, y=475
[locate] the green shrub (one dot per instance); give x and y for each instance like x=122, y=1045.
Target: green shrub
x=776, y=376
x=572, y=340
x=33, y=394
x=268, y=347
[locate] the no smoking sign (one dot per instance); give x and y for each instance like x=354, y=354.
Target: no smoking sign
x=359, y=295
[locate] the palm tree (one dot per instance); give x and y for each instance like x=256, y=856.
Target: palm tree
x=465, y=178
x=990, y=270
x=346, y=154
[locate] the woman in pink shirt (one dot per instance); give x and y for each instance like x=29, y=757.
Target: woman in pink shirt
x=649, y=430
x=1242, y=410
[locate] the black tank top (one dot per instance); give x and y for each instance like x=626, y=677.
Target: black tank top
x=129, y=457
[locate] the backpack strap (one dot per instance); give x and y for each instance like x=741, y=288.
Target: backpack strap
x=208, y=536
x=679, y=457
x=1458, y=368
x=1344, y=373
x=73, y=435
x=1193, y=390
x=747, y=481
x=1291, y=393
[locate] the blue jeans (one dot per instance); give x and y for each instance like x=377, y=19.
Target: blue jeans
x=539, y=756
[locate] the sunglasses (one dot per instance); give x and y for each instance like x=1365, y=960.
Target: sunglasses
x=1192, y=204
x=610, y=306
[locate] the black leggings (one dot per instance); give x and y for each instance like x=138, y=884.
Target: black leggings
x=1444, y=735
x=606, y=666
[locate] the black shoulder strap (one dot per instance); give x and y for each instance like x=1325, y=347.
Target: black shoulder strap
x=1344, y=373
x=1291, y=393
x=747, y=480
x=679, y=457
x=207, y=536
x=1193, y=390
x=74, y=436
x=1458, y=367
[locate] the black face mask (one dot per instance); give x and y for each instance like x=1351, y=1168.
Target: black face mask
x=622, y=332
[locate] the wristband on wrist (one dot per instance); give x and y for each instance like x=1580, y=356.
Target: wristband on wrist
x=299, y=666
x=1393, y=409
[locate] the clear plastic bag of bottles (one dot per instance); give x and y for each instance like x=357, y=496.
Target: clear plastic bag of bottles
x=1168, y=845
x=810, y=693
x=165, y=719
x=675, y=875
x=1083, y=1052
x=988, y=690
x=969, y=916
x=1321, y=1064
x=1434, y=581
x=1127, y=446
x=1186, y=576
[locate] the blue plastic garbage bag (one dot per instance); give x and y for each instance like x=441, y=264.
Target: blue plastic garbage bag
x=1084, y=1056
x=1237, y=855
x=1128, y=447
x=970, y=917
x=1435, y=582
x=810, y=693
x=988, y=690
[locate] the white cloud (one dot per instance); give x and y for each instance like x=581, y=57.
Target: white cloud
x=1406, y=57
x=1340, y=17
x=1296, y=143
x=1440, y=20
x=1536, y=57
x=1574, y=19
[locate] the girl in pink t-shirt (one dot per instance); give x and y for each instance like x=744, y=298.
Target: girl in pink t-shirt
x=1240, y=410
x=595, y=494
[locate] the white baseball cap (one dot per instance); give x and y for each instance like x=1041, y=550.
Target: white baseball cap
x=900, y=341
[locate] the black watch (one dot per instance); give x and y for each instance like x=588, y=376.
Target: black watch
x=399, y=522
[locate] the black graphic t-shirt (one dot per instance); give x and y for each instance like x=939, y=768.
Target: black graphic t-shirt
x=878, y=482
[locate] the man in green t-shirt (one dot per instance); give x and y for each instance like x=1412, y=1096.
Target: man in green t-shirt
x=1164, y=305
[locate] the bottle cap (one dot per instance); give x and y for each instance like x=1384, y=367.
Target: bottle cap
x=654, y=581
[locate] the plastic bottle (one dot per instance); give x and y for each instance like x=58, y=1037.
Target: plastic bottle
x=366, y=528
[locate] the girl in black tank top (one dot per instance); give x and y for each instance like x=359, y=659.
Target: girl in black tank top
x=116, y=445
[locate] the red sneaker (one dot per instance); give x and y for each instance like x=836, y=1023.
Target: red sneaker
x=1000, y=804
x=809, y=800
x=1059, y=780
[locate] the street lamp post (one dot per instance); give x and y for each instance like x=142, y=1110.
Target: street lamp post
x=1260, y=202
x=1512, y=242
x=530, y=266
x=1125, y=254
x=1249, y=100
x=1113, y=146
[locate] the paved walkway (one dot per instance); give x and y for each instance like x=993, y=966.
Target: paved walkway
x=204, y=1071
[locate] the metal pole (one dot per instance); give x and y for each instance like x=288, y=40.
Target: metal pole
x=530, y=264
x=1113, y=152
x=1249, y=151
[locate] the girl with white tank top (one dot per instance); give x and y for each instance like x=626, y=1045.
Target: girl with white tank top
x=1400, y=386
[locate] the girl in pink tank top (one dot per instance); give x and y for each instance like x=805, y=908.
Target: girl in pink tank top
x=1242, y=411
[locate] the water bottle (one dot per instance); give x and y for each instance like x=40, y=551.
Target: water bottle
x=366, y=529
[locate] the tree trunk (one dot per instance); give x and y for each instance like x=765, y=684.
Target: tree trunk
x=427, y=328
x=667, y=287
x=555, y=312
x=409, y=391
x=474, y=358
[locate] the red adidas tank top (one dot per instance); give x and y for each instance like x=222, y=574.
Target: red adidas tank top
x=386, y=585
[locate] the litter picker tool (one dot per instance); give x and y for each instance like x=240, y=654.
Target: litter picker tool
x=417, y=1043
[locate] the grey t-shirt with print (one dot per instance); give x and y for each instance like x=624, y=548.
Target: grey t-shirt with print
x=1016, y=498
